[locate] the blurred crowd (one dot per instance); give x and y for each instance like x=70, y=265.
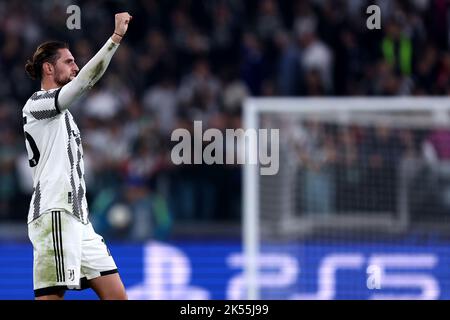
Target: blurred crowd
x=371, y=169
x=186, y=60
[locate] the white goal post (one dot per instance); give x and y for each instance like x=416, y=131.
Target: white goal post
x=397, y=112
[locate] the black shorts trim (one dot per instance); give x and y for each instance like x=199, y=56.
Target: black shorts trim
x=84, y=284
x=49, y=290
x=105, y=273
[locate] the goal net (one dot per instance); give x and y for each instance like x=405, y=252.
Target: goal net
x=360, y=205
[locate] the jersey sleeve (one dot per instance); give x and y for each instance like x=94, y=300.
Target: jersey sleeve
x=43, y=105
x=87, y=77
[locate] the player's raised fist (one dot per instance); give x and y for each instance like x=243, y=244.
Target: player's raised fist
x=122, y=21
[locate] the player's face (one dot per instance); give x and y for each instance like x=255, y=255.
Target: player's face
x=65, y=68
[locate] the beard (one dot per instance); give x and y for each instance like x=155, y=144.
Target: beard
x=62, y=80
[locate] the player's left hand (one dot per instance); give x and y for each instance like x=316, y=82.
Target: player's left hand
x=122, y=20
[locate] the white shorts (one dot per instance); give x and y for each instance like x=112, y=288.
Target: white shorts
x=66, y=253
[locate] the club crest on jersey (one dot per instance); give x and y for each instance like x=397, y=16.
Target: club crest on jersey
x=71, y=274
x=75, y=134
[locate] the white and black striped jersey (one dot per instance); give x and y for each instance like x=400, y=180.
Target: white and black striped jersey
x=53, y=143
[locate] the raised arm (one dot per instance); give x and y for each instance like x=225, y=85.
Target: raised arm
x=96, y=67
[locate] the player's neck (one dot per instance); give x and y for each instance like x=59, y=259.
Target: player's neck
x=48, y=84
